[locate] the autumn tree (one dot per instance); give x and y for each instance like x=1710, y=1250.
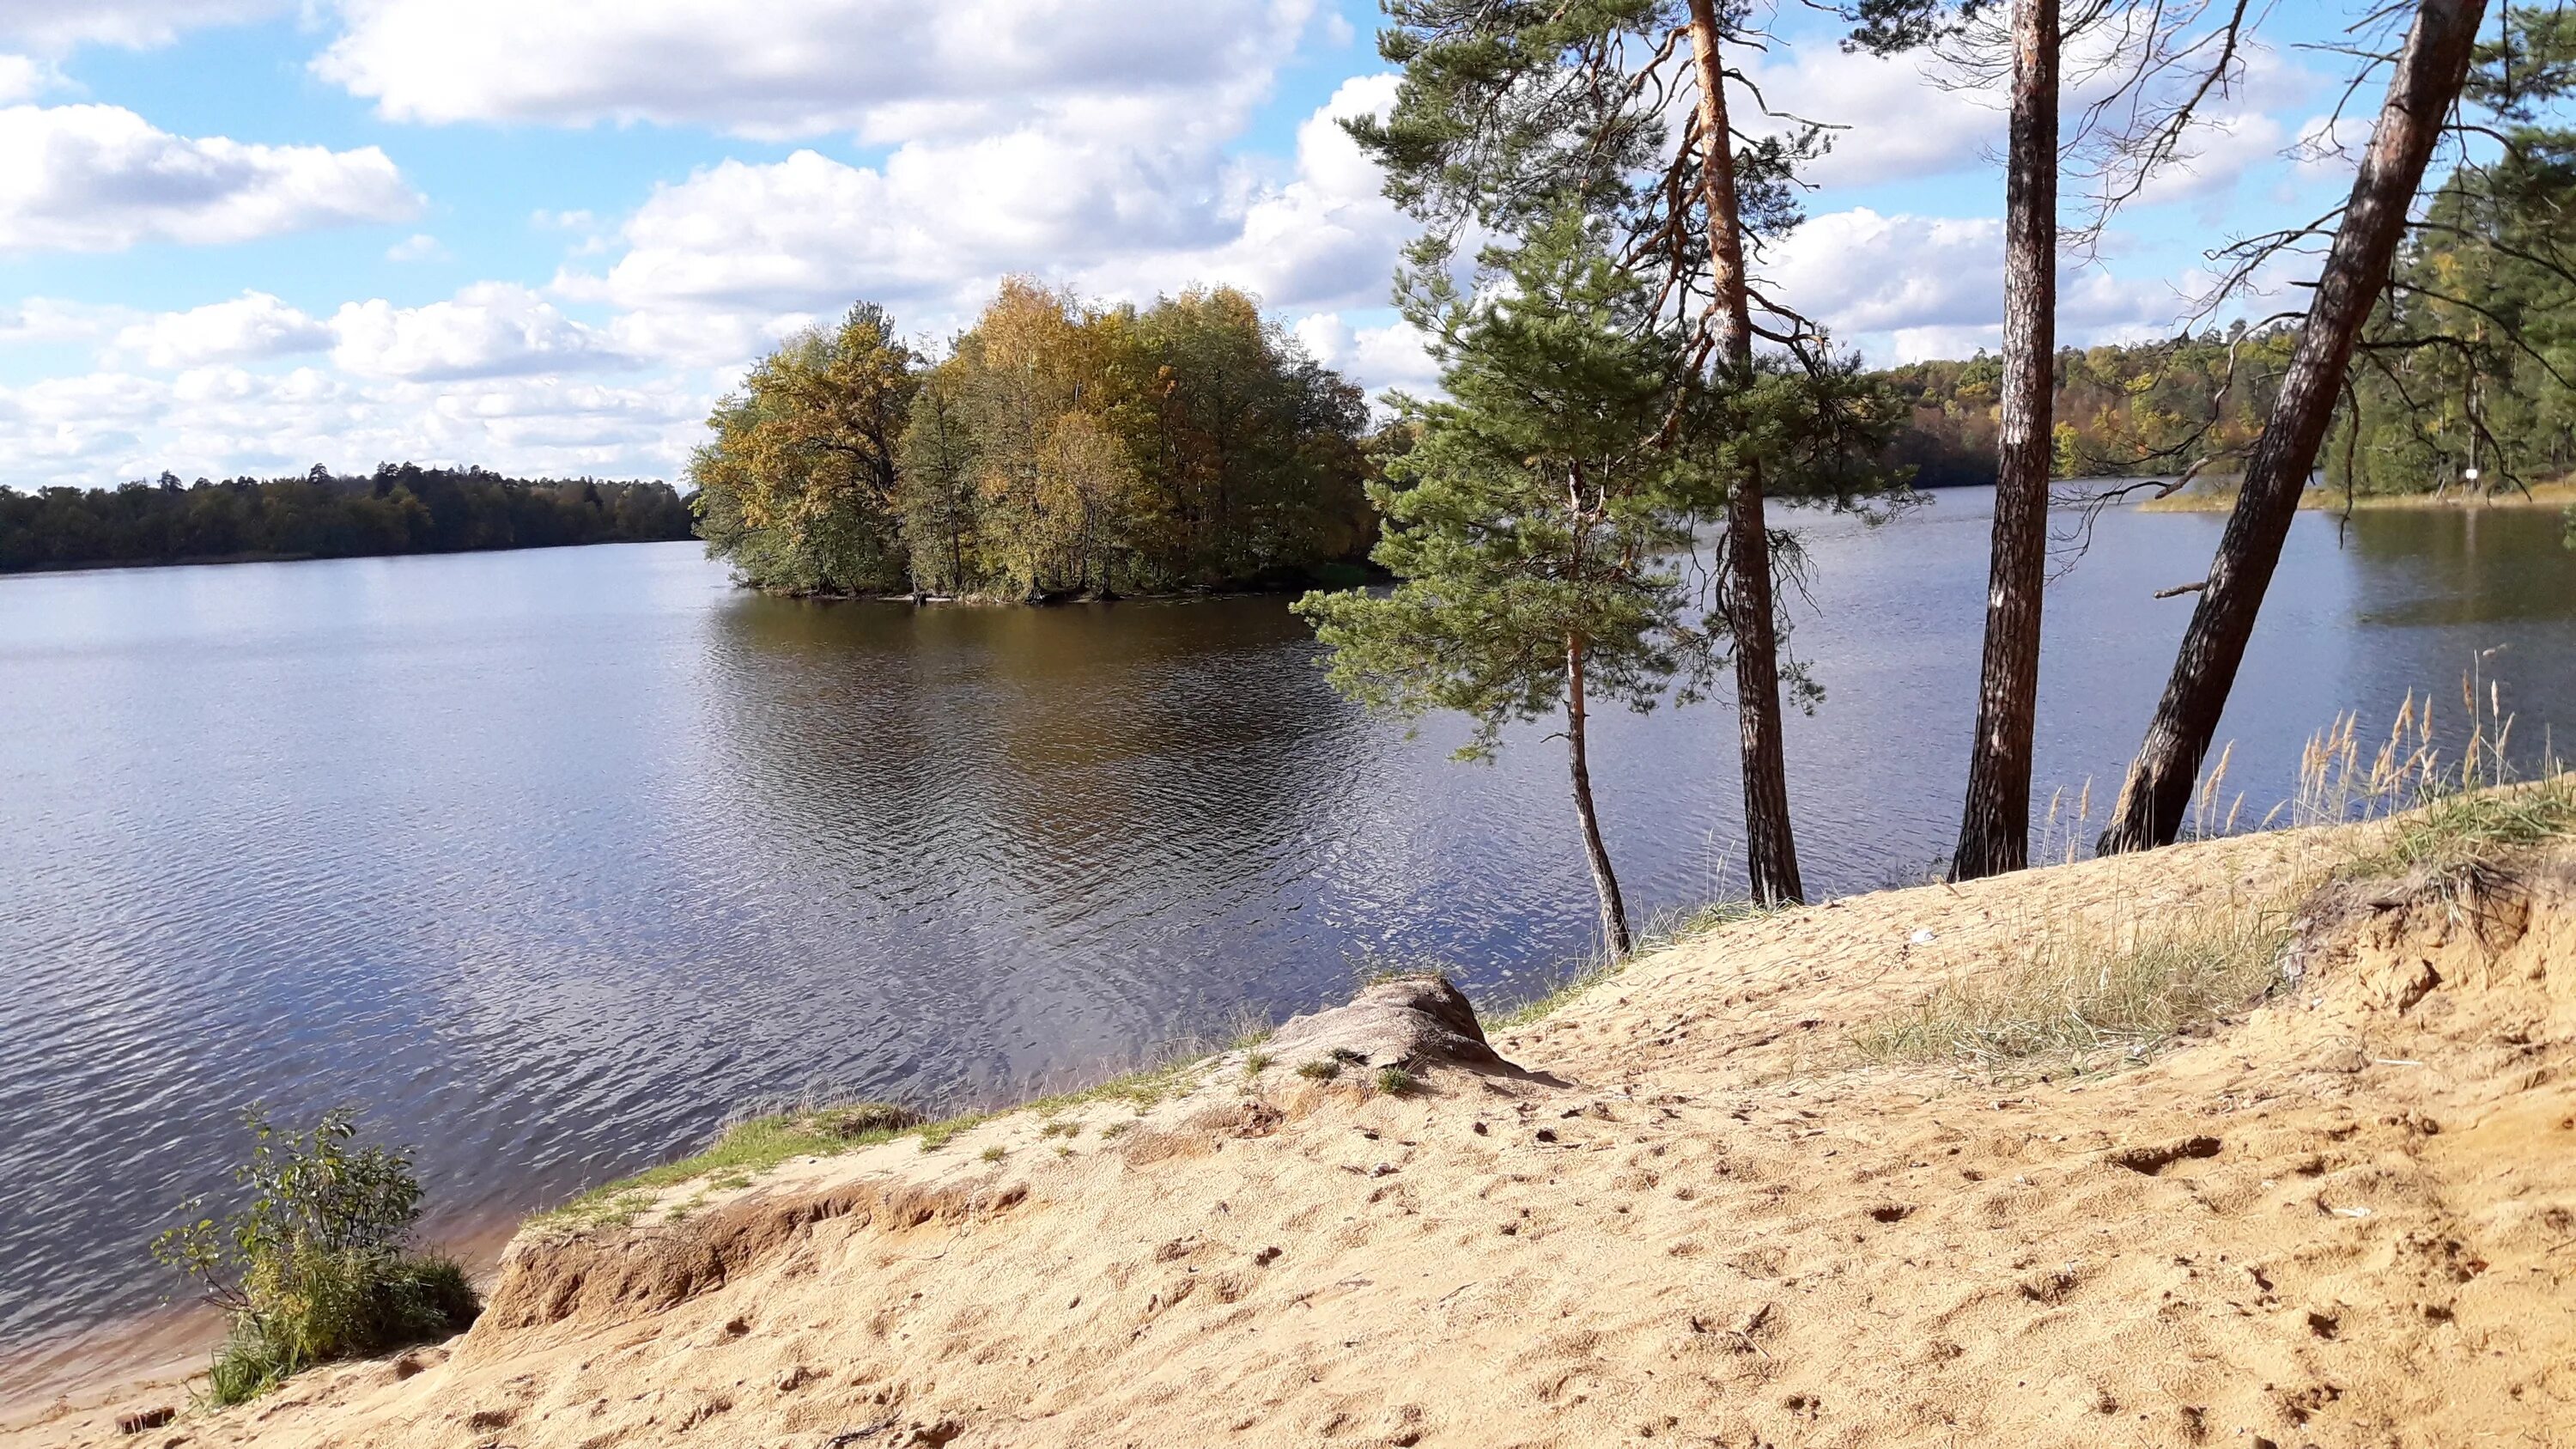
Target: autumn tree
x=1061, y=448
x=2465, y=376
x=799, y=483
x=939, y=503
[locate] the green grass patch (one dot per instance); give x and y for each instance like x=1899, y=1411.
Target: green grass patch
x=2460, y=838
x=342, y=1305
x=758, y=1144
x=744, y=1150
x=936, y=1135
x=2086, y=999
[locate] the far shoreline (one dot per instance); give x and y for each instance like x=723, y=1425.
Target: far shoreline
x=2561, y=494
x=118, y=566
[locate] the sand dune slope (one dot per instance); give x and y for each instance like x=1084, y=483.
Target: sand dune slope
x=2347, y=1219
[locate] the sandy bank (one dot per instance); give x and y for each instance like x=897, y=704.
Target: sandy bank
x=2346, y=1219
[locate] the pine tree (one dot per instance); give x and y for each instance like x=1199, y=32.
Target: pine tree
x=1535, y=522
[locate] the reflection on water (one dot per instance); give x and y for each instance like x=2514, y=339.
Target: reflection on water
x=551, y=859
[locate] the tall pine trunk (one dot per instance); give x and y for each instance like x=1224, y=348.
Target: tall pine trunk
x=1614, y=910
x=1771, y=850
x=2430, y=71
x=1994, y=830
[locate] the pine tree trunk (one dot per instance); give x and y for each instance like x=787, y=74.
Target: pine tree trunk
x=1994, y=830
x=2428, y=77
x=1770, y=848
x=1614, y=911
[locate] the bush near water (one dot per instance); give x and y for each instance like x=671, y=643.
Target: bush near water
x=315, y=1265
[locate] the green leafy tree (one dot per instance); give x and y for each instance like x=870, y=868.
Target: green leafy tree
x=1059, y=448
x=315, y=1264
x=1536, y=523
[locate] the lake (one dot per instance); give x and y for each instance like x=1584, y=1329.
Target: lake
x=550, y=860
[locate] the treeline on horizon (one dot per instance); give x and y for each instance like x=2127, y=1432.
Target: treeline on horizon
x=1059, y=449
x=2468, y=361
x=398, y=509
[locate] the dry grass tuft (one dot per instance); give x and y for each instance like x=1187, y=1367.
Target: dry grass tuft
x=2087, y=999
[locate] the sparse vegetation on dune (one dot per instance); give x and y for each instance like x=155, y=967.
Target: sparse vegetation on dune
x=756, y=1144
x=2460, y=838
x=2081, y=997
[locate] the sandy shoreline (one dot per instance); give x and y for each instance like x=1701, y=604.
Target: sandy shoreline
x=2345, y=1219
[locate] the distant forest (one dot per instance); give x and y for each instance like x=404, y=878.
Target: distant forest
x=398, y=509
x=2468, y=362
x=2121, y=411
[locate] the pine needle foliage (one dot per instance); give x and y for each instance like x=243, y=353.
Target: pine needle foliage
x=1533, y=510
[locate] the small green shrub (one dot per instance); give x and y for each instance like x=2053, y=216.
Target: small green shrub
x=315, y=1266
x=1255, y=1063
x=1394, y=1081
x=1321, y=1069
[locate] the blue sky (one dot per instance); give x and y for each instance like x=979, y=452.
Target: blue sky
x=544, y=235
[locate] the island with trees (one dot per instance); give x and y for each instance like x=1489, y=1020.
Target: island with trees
x=1059, y=449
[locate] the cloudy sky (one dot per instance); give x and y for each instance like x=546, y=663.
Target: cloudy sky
x=248, y=236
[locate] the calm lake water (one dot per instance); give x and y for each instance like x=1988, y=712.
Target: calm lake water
x=550, y=860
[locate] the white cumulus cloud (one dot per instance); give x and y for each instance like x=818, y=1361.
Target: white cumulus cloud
x=1112, y=205
x=24, y=77
x=251, y=326
x=1893, y=121
x=1328, y=237
x=101, y=178
x=55, y=319
x=1929, y=286
x=1391, y=356
x=490, y=329
x=884, y=69
x=59, y=25
x=420, y=246
x=98, y=428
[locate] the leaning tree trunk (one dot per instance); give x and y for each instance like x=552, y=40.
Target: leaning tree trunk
x=1994, y=831
x=2429, y=74
x=1770, y=850
x=1614, y=910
